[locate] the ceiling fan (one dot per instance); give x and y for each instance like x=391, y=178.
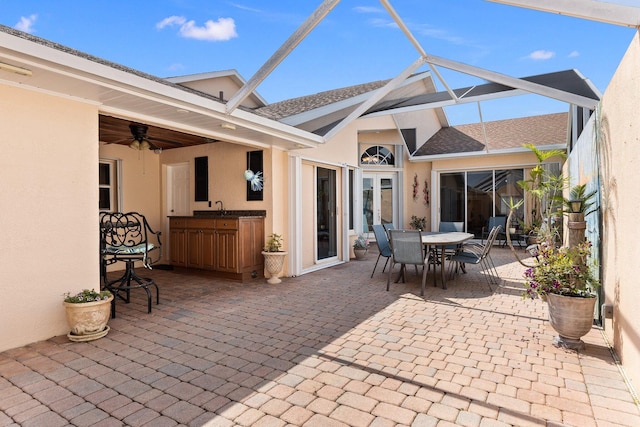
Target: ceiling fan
x=140, y=138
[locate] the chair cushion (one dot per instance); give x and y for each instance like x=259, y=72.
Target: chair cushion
x=466, y=257
x=137, y=249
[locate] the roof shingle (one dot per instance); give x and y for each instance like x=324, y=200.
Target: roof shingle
x=548, y=129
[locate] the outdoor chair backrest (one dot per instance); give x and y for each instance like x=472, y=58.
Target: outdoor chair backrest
x=128, y=236
x=406, y=246
x=495, y=221
x=493, y=235
x=381, y=240
x=388, y=226
x=451, y=226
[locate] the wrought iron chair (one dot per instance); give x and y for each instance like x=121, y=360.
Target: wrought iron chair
x=382, y=241
x=407, y=248
x=128, y=238
x=476, y=253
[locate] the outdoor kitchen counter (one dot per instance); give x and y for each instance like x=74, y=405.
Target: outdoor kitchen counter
x=228, y=244
x=227, y=214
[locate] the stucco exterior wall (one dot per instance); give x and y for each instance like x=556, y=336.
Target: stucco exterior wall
x=140, y=180
x=49, y=193
x=619, y=142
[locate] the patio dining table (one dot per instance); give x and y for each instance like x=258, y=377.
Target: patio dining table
x=442, y=240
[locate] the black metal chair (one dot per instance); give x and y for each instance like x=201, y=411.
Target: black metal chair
x=128, y=238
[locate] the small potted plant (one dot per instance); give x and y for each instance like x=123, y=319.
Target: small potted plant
x=418, y=223
x=88, y=312
x=274, y=257
x=360, y=247
x=562, y=276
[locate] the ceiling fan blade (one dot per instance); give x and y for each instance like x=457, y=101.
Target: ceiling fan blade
x=166, y=141
x=119, y=141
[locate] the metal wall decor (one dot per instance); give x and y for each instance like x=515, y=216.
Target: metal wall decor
x=254, y=175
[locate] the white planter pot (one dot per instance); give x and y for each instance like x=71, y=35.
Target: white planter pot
x=273, y=263
x=572, y=318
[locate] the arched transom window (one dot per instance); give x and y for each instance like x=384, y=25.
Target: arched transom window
x=377, y=156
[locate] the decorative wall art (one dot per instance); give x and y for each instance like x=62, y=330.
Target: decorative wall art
x=426, y=192
x=415, y=187
x=254, y=175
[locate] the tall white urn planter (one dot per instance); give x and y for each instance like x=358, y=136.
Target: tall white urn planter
x=273, y=263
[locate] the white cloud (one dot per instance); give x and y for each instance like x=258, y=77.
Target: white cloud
x=222, y=29
x=383, y=23
x=26, y=24
x=368, y=9
x=170, y=21
x=574, y=54
x=175, y=67
x=247, y=8
x=541, y=55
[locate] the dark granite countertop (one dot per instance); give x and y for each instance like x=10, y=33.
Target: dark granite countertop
x=226, y=214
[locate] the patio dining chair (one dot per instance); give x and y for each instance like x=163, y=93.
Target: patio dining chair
x=494, y=221
x=446, y=226
x=407, y=248
x=382, y=241
x=479, y=254
x=128, y=238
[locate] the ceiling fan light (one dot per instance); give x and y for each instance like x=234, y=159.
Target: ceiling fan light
x=144, y=145
x=135, y=145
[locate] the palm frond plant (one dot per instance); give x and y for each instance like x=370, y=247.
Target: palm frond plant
x=546, y=190
x=579, y=194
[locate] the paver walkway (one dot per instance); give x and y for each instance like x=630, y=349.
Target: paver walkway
x=331, y=348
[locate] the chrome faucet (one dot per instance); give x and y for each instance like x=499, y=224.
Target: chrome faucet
x=221, y=209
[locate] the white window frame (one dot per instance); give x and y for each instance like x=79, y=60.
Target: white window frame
x=114, y=185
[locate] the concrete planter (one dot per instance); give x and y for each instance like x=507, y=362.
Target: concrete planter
x=88, y=320
x=360, y=253
x=273, y=263
x=572, y=318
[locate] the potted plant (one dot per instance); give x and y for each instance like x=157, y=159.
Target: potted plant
x=546, y=191
x=563, y=277
x=274, y=257
x=418, y=222
x=360, y=247
x=577, y=207
x=87, y=313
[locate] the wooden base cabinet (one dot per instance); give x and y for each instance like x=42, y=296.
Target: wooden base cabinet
x=229, y=247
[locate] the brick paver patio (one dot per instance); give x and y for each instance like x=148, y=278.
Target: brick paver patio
x=331, y=348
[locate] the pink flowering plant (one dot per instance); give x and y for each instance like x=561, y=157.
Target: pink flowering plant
x=562, y=271
x=361, y=242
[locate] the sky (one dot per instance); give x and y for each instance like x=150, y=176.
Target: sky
x=357, y=42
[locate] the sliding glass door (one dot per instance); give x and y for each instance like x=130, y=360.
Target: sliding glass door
x=474, y=196
x=327, y=232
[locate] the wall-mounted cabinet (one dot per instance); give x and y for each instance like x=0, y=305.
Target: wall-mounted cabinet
x=230, y=247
